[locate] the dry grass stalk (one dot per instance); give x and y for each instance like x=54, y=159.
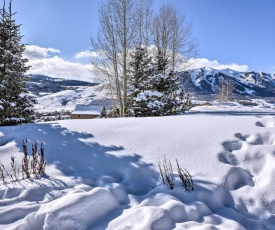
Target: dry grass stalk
x=32, y=166
x=166, y=172
x=186, y=178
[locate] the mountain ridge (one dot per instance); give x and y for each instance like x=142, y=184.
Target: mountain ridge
x=205, y=81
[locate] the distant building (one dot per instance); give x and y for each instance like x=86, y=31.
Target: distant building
x=86, y=111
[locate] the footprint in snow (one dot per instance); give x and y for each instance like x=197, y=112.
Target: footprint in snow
x=231, y=146
x=227, y=157
x=261, y=139
x=237, y=178
x=267, y=123
x=243, y=153
x=259, y=124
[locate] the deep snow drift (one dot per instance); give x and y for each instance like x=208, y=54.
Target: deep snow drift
x=102, y=173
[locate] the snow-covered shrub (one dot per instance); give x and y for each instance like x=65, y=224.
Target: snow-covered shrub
x=14, y=121
x=148, y=103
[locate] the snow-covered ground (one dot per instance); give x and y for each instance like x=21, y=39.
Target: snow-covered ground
x=103, y=174
x=68, y=99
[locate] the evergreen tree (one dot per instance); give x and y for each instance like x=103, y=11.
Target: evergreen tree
x=152, y=92
x=140, y=67
x=168, y=84
x=15, y=107
x=161, y=63
x=170, y=87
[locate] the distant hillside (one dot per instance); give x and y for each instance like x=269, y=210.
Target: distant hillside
x=41, y=85
x=55, y=94
x=204, y=81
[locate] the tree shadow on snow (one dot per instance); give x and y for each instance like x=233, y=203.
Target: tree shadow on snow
x=76, y=155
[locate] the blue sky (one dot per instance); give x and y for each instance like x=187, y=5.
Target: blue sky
x=231, y=33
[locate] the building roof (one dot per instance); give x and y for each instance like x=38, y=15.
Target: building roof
x=88, y=109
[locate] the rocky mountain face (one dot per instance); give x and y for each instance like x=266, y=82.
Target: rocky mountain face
x=205, y=81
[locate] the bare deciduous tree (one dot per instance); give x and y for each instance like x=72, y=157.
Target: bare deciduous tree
x=104, y=58
x=115, y=37
x=144, y=19
x=173, y=36
x=183, y=46
x=225, y=89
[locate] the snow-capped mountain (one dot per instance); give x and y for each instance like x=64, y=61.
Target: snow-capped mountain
x=205, y=81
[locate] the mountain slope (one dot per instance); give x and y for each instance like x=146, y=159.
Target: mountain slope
x=41, y=85
x=67, y=99
x=55, y=94
x=205, y=81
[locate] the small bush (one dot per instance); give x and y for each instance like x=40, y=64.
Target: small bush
x=167, y=176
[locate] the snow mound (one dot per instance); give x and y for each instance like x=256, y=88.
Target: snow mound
x=73, y=209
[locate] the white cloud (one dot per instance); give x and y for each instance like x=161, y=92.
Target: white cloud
x=58, y=67
x=52, y=50
x=86, y=54
x=82, y=54
x=36, y=52
x=42, y=63
x=195, y=63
